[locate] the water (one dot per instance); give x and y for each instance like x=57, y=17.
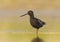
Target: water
x=28, y=37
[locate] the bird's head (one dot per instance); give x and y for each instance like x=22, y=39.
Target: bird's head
x=30, y=13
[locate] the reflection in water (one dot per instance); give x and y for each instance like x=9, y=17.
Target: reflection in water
x=37, y=39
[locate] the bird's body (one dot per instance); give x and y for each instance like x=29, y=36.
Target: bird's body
x=35, y=22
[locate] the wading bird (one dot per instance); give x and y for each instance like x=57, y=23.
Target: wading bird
x=35, y=22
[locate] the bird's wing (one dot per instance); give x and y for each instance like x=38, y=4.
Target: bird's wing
x=37, y=20
x=41, y=22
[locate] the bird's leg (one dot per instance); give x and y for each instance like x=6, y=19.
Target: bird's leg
x=37, y=33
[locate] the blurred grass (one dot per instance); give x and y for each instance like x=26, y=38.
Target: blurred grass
x=52, y=25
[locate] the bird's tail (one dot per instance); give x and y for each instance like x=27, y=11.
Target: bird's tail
x=43, y=23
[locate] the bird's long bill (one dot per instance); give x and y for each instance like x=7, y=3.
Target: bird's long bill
x=23, y=15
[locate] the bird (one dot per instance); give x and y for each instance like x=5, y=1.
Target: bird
x=35, y=22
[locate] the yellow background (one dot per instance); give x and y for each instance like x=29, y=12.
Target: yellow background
x=27, y=4
x=16, y=29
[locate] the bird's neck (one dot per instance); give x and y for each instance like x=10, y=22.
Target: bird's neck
x=31, y=16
